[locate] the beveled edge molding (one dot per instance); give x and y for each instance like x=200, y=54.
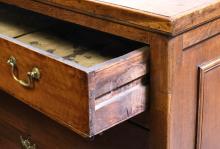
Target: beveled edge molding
x=203, y=70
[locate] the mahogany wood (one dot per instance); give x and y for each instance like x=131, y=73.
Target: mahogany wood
x=208, y=107
x=68, y=91
x=48, y=95
x=172, y=17
x=160, y=91
x=174, y=86
x=89, y=21
x=207, y=31
x=185, y=89
x=116, y=109
x=77, y=89
x=18, y=119
x=175, y=107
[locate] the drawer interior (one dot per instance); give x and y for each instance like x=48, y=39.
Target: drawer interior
x=74, y=43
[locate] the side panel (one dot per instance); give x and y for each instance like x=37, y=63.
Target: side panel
x=209, y=105
x=120, y=105
x=120, y=71
x=185, y=90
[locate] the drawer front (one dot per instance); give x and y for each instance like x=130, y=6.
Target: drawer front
x=56, y=93
x=68, y=94
x=17, y=119
x=87, y=84
x=9, y=137
x=209, y=105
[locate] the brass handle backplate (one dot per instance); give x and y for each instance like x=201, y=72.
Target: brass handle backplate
x=26, y=144
x=32, y=75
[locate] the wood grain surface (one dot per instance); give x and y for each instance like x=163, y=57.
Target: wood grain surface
x=208, y=119
x=55, y=94
x=83, y=46
x=52, y=95
x=78, y=66
x=77, y=18
x=73, y=43
x=17, y=119
x=173, y=62
x=185, y=96
x=121, y=104
x=172, y=17
x=167, y=8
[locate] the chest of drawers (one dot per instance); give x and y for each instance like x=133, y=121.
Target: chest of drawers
x=112, y=60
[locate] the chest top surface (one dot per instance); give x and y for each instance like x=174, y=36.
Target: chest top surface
x=169, y=8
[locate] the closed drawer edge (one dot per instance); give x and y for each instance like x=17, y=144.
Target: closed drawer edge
x=18, y=120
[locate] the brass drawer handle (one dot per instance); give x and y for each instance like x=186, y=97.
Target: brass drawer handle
x=26, y=144
x=33, y=75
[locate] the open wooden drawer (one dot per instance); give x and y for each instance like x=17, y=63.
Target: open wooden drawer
x=86, y=80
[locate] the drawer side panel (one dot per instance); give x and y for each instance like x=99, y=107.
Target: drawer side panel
x=120, y=106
